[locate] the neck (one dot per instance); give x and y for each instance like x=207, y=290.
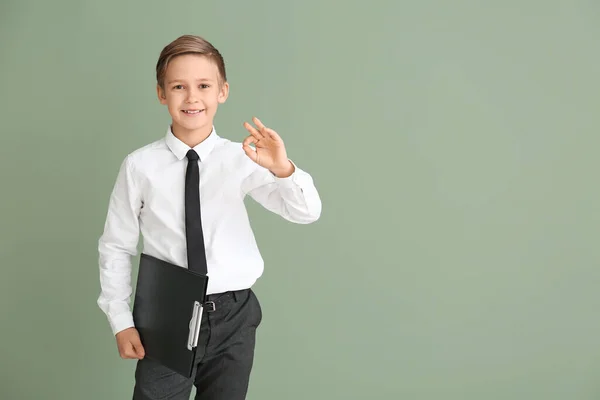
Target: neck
x=191, y=137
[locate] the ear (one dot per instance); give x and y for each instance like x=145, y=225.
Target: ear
x=223, y=93
x=161, y=95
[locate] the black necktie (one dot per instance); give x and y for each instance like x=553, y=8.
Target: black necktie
x=193, y=222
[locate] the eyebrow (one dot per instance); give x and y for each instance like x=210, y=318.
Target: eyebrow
x=183, y=80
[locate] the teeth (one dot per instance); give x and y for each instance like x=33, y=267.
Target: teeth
x=192, y=111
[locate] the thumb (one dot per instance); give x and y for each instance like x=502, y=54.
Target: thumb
x=137, y=346
x=250, y=152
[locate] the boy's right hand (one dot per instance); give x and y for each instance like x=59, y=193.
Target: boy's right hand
x=129, y=344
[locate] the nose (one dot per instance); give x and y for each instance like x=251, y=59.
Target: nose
x=192, y=96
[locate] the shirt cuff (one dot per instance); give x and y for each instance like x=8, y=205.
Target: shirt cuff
x=121, y=322
x=289, y=181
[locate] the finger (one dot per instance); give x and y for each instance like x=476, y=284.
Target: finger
x=257, y=143
x=251, y=153
x=138, y=348
x=127, y=351
x=261, y=127
x=139, y=351
x=249, y=140
x=274, y=135
x=253, y=131
x=131, y=353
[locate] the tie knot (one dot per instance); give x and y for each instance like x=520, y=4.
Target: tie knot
x=192, y=155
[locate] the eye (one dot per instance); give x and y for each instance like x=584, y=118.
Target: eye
x=178, y=87
x=204, y=86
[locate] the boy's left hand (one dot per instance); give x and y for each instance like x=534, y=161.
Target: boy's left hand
x=270, y=151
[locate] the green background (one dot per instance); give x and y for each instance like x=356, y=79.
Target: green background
x=454, y=145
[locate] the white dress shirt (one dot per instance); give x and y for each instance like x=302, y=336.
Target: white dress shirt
x=148, y=197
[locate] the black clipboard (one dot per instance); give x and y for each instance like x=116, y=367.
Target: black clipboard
x=167, y=312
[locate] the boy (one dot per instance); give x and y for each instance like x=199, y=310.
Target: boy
x=148, y=197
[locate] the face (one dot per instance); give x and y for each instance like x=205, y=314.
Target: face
x=192, y=94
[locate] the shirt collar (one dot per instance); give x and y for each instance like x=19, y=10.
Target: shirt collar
x=180, y=149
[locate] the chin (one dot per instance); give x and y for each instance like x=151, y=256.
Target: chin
x=196, y=126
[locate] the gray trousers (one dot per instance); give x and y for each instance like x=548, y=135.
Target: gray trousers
x=224, y=356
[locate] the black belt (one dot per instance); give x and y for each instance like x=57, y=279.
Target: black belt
x=212, y=300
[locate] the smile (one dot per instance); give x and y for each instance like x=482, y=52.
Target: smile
x=192, y=111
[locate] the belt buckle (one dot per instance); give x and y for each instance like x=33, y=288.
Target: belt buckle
x=212, y=304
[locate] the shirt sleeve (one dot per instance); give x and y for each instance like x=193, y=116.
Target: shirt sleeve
x=116, y=246
x=295, y=197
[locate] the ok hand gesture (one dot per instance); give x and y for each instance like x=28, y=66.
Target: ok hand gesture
x=269, y=151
